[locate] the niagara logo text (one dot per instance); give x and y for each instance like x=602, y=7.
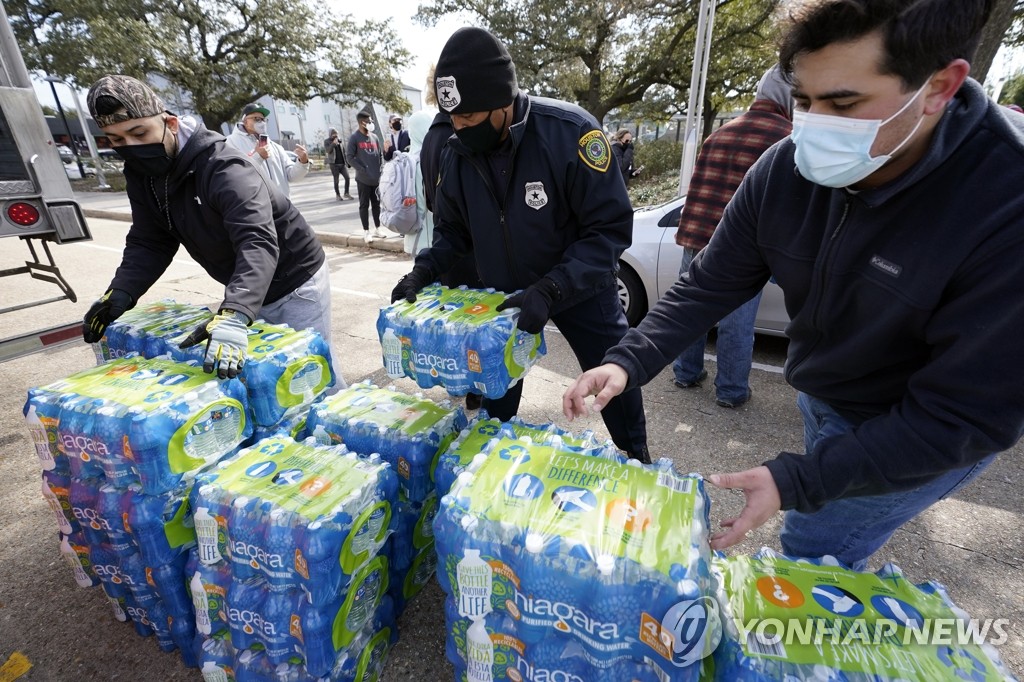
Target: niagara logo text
x=251, y=621
x=73, y=442
x=91, y=516
x=566, y=613
x=535, y=674
x=239, y=548
x=436, y=361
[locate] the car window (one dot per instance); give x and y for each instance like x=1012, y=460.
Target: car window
x=671, y=219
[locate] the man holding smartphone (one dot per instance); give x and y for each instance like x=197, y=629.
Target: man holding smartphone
x=271, y=160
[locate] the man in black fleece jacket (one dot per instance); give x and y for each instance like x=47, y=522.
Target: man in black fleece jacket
x=186, y=187
x=895, y=231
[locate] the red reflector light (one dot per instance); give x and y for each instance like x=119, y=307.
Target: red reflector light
x=23, y=214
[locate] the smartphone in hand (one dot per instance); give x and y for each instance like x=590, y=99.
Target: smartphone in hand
x=263, y=141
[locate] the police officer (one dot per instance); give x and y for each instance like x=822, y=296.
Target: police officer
x=528, y=185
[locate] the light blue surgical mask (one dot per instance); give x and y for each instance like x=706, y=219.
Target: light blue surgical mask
x=835, y=151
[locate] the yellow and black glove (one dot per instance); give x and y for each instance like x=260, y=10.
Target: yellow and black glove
x=227, y=343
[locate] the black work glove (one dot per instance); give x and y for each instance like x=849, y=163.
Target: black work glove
x=411, y=284
x=108, y=308
x=227, y=344
x=534, y=303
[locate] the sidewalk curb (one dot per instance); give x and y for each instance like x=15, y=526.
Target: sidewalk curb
x=106, y=215
x=393, y=243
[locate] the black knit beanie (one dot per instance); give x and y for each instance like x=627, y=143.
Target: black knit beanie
x=474, y=73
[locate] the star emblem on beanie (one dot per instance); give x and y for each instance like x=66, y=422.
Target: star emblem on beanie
x=447, y=92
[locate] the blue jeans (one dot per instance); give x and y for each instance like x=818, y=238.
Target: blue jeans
x=735, y=349
x=852, y=529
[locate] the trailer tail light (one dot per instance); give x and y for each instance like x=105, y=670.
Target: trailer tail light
x=21, y=213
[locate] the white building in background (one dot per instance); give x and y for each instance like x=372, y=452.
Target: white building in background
x=291, y=124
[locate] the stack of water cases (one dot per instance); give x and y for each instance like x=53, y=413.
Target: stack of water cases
x=485, y=435
x=120, y=445
x=285, y=370
x=288, y=577
x=409, y=432
x=151, y=330
x=456, y=338
x=786, y=619
x=563, y=566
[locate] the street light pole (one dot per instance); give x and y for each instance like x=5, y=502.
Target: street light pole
x=85, y=131
x=67, y=128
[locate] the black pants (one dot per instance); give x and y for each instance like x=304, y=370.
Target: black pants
x=367, y=196
x=336, y=170
x=592, y=327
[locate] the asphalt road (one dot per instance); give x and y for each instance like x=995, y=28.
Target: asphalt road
x=971, y=543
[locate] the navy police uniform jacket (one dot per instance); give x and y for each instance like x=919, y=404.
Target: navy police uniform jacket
x=565, y=214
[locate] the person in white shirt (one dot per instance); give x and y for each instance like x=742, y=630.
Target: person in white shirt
x=250, y=137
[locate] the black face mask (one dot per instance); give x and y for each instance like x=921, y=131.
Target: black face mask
x=482, y=137
x=148, y=159
x=396, y=125
x=627, y=145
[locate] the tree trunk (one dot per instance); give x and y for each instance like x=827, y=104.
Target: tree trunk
x=992, y=36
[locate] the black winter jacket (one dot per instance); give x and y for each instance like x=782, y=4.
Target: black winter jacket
x=566, y=214
x=245, y=233
x=906, y=304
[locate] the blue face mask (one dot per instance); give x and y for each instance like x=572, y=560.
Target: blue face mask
x=835, y=151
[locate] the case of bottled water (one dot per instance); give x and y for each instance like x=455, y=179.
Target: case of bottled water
x=408, y=431
x=483, y=435
x=612, y=557
x=150, y=422
x=150, y=329
x=414, y=531
x=285, y=625
x=362, y=661
x=800, y=619
x=409, y=581
x=297, y=515
x=481, y=650
x=285, y=370
x=456, y=338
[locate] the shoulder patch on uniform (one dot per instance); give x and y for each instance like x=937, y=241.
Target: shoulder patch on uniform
x=595, y=150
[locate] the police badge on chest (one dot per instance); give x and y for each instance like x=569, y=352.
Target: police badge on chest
x=536, y=197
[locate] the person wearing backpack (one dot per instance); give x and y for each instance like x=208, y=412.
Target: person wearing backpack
x=335, y=158
x=422, y=237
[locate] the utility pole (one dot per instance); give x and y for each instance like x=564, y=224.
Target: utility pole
x=89, y=141
x=67, y=128
x=698, y=80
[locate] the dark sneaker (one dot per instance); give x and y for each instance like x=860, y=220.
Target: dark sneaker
x=733, y=403
x=348, y=197
x=642, y=455
x=695, y=383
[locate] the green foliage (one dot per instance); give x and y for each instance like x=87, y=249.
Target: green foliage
x=224, y=53
x=659, y=181
x=1013, y=90
x=659, y=156
x=654, y=189
x=609, y=54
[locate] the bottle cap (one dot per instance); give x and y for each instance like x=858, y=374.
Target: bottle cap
x=534, y=543
x=605, y=564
